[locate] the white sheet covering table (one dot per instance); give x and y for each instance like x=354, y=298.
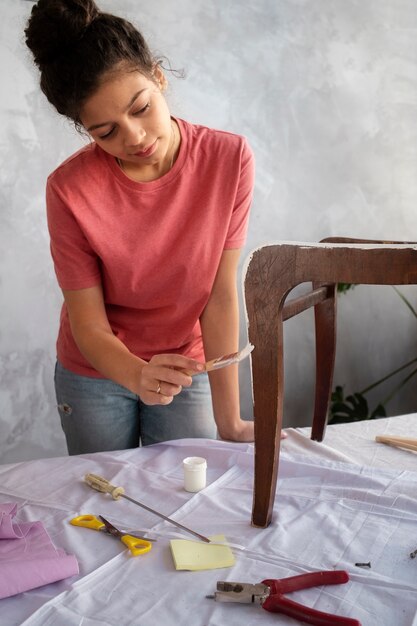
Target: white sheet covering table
x=343, y=501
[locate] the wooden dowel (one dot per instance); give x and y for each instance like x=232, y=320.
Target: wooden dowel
x=385, y=438
x=398, y=442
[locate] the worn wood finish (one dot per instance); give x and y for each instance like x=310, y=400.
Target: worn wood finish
x=272, y=272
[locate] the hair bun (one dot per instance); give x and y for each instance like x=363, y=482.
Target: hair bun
x=56, y=25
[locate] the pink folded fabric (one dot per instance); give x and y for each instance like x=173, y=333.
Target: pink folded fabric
x=28, y=558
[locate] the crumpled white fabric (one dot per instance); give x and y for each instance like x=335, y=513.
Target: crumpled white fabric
x=327, y=515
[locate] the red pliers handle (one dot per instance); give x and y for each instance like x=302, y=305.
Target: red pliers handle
x=276, y=602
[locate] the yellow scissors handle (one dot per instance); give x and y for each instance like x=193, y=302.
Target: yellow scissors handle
x=135, y=545
x=88, y=521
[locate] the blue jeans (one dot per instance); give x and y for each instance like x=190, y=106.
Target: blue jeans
x=98, y=414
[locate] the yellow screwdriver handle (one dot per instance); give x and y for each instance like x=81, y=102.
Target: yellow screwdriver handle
x=101, y=484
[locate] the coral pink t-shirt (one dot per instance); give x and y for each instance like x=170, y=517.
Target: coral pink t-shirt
x=155, y=247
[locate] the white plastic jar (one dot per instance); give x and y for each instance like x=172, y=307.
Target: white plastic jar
x=195, y=469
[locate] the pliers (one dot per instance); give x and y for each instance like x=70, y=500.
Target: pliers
x=270, y=595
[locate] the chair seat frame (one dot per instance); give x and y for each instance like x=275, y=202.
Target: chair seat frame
x=272, y=272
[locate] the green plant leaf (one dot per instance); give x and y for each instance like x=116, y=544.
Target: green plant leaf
x=379, y=411
x=337, y=394
x=344, y=287
x=353, y=408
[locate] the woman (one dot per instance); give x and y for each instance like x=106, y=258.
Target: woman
x=146, y=226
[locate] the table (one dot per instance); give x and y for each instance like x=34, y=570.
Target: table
x=343, y=501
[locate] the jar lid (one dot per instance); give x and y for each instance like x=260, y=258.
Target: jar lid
x=194, y=463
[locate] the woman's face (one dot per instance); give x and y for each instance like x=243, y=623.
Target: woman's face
x=127, y=116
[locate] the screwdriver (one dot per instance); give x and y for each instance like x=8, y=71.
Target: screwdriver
x=101, y=484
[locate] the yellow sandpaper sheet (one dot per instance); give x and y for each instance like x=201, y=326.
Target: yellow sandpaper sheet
x=196, y=555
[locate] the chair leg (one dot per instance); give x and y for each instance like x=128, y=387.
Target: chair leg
x=325, y=326
x=268, y=389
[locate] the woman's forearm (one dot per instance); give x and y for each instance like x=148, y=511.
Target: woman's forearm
x=220, y=328
x=155, y=382
x=109, y=356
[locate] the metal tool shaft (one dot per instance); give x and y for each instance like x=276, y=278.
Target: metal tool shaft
x=167, y=519
x=101, y=484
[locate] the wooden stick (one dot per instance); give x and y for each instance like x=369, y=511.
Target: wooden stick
x=398, y=442
x=386, y=438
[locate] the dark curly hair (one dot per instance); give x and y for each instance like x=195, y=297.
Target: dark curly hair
x=74, y=44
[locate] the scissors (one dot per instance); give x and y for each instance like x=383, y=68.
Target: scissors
x=136, y=545
x=270, y=595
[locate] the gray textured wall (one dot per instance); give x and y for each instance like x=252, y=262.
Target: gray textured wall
x=326, y=92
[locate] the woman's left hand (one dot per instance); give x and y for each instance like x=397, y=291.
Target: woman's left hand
x=244, y=432
x=239, y=430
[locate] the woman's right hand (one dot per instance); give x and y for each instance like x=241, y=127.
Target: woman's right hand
x=155, y=382
x=164, y=376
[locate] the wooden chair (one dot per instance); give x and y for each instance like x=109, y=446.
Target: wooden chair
x=272, y=272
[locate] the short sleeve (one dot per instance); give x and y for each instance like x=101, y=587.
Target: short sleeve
x=76, y=264
x=238, y=226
